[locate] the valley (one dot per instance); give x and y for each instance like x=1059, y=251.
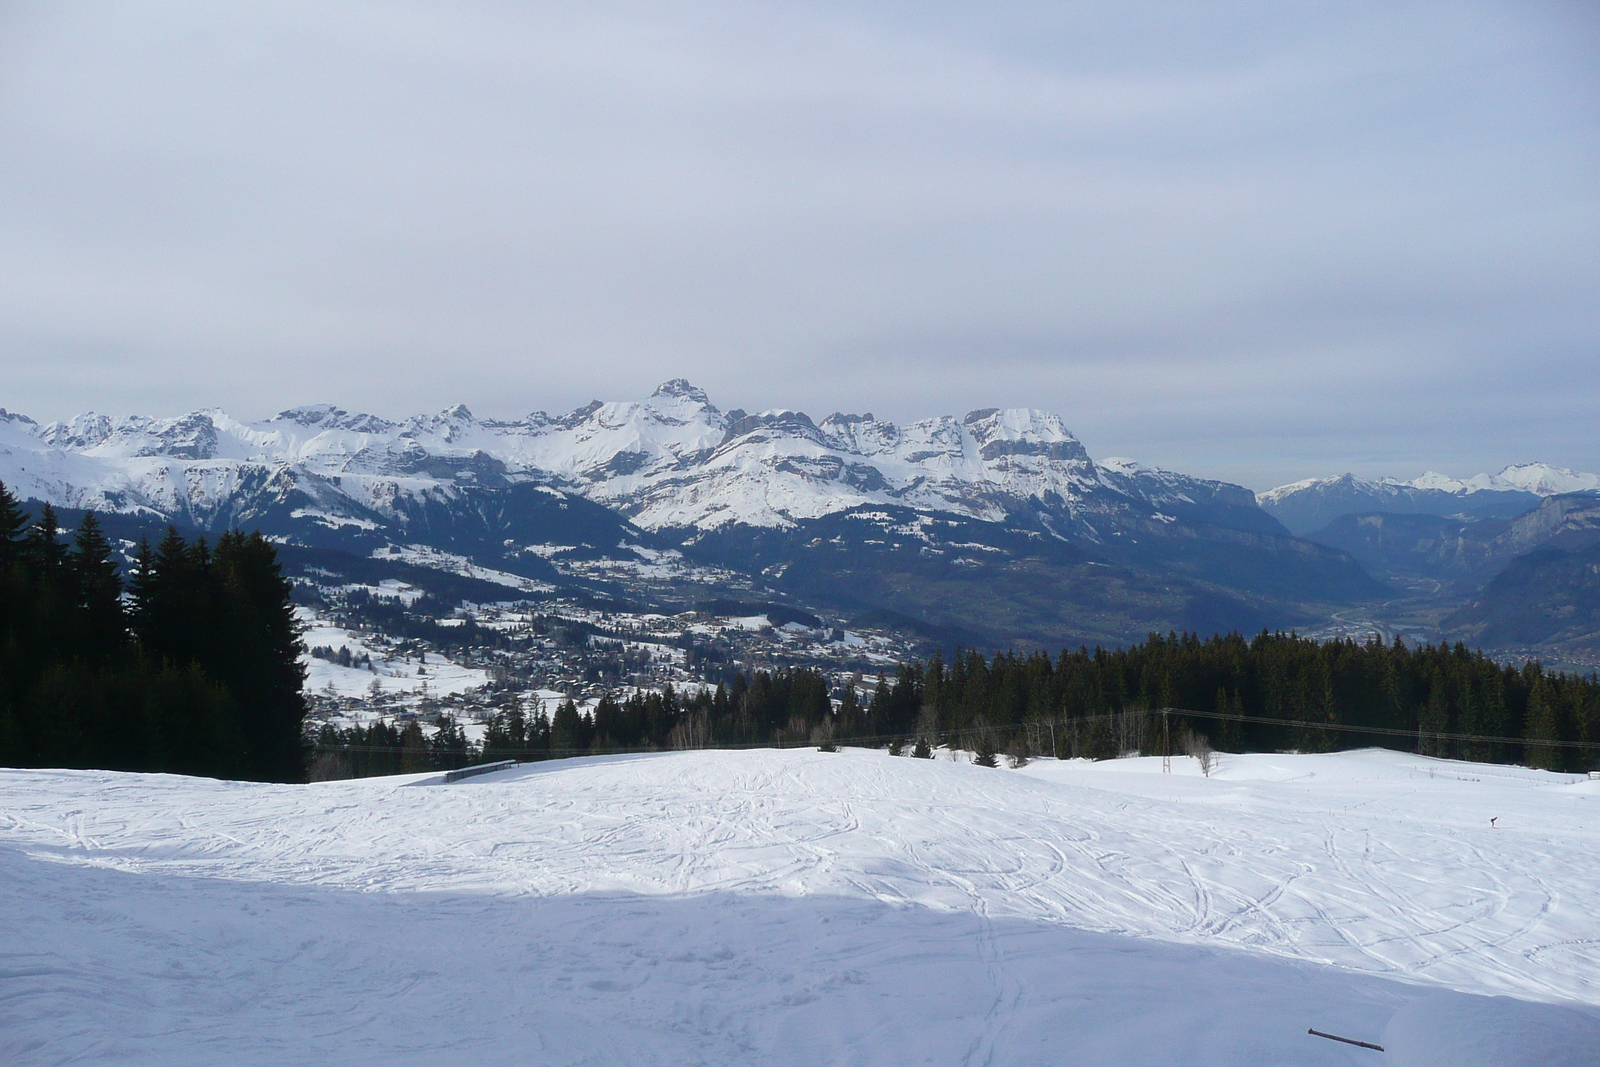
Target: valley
x=993, y=530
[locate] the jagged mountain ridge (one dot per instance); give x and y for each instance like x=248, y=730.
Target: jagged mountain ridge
x=673, y=461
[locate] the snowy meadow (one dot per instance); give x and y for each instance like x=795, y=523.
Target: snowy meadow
x=798, y=907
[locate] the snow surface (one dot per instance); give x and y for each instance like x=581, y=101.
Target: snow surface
x=438, y=559
x=795, y=907
x=396, y=674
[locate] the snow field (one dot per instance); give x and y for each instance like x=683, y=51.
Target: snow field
x=394, y=674
x=799, y=907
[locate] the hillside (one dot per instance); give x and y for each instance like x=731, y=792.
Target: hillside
x=1547, y=600
x=797, y=907
x=1463, y=549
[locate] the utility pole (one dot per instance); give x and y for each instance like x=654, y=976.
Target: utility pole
x=1166, y=743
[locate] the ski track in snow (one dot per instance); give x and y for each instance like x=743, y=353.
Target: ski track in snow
x=794, y=906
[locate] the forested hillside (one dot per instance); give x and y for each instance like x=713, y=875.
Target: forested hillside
x=196, y=671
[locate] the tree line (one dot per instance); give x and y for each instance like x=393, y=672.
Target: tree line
x=189, y=666
x=781, y=707
x=1272, y=692
x=1269, y=693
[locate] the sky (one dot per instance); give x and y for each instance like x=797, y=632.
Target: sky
x=1255, y=241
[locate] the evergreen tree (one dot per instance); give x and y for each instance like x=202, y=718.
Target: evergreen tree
x=259, y=657
x=449, y=744
x=13, y=521
x=414, y=750
x=506, y=736
x=140, y=588
x=1435, y=720
x=566, y=730
x=851, y=716
x=207, y=682
x=984, y=750
x=46, y=554
x=1541, y=726
x=99, y=586
x=169, y=611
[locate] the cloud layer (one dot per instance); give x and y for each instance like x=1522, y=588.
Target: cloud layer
x=1257, y=241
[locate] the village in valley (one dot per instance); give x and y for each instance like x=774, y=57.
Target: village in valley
x=375, y=654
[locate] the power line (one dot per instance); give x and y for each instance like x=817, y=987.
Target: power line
x=978, y=731
x=1389, y=731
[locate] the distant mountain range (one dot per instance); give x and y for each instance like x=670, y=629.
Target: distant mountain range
x=993, y=528
x=1309, y=505
x=1460, y=548
x=1517, y=549
x=672, y=461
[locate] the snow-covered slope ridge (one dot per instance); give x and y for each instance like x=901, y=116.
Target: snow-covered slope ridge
x=672, y=460
x=1540, y=479
x=1308, y=505
x=796, y=907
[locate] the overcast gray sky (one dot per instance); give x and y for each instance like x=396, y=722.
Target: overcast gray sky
x=1258, y=241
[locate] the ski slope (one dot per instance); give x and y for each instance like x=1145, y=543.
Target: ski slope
x=796, y=907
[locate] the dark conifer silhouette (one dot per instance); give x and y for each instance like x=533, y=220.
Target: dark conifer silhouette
x=198, y=673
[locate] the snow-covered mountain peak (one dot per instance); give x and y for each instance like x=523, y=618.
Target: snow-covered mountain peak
x=450, y=426
x=1310, y=504
x=1442, y=482
x=1017, y=424
x=776, y=424
x=191, y=436
x=670, y=460
x=310, y=414
x=17, y=431
x=329, y=417
x=1022, y=432
x=603, y=441
x=863, y=435
x=1540, y=479
x=87, y=430
x=1545, y=480
x=1272, y=496
x=680, y=389
x=674, y=460
x=679, y=403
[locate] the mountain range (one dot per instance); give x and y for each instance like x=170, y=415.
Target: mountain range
x=1307, y=506
x=1511, y=557
x=670, y=462
x=996, y=527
